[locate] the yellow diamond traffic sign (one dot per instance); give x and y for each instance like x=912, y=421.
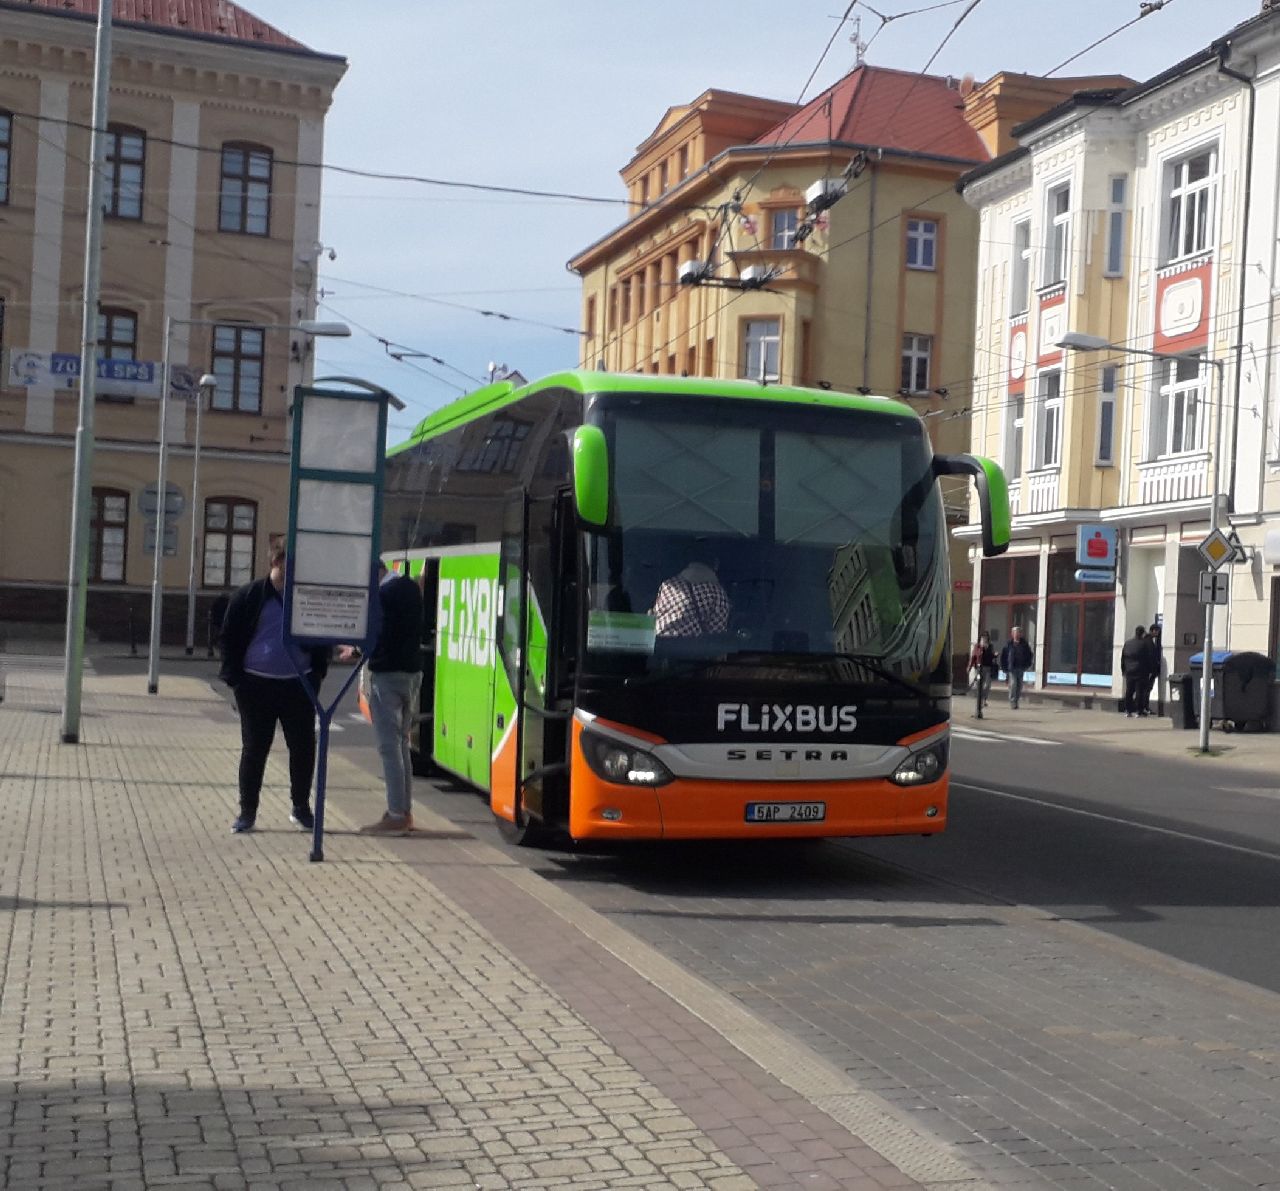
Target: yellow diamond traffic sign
x=1216, y=549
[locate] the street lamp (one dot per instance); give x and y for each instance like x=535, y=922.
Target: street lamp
x=1079, y=341
x=305, y=327
x=208, y=382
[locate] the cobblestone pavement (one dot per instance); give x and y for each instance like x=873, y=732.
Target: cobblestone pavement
x=182, y=1007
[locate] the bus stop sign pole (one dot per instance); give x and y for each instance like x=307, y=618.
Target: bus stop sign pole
x=335, y=525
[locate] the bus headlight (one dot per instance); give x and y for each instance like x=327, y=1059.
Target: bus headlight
x=623, y=764
x=923, y=767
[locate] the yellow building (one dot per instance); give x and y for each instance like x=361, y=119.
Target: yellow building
x=822, y=244
x=211, y=224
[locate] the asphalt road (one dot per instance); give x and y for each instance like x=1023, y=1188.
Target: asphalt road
x=1140, y=848
x=1020, y=986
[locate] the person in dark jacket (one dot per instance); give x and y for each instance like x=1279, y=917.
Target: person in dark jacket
x=1134, y=666
x=257, y=666
x=395, y=679
x=982, y=661
x=1016, y=659
x=1154, y=662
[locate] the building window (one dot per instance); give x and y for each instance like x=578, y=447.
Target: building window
x=1107, y=417
x=6, y=147
x=1020, y=269
x=626, y=301
x=1180, y=408
x=1010, y=597
x=1115, y=225
x=237, y=363
x=1079, y=626
x=108, y=535
x=1049, y=420
x=1017, y=415
x=117, y=334
x=126, y=159
x=917, y=351
x=644, y=191
x=662, y=177
x=783, y=233
x=1058, y=243
x=922, y=244
x=1191, y=188
x=591, y=317
x=761, y=348
x=682, y=159
x=230, y=541
x=244, y=196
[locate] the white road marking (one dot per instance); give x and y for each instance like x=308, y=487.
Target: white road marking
x=981, y=734
x=1075, y=810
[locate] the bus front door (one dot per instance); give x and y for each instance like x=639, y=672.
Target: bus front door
x=516, y=790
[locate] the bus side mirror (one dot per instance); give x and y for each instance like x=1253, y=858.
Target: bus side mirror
x=591, y=477
x=993, y=496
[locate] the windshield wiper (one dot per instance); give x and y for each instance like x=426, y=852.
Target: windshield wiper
x=867, y=661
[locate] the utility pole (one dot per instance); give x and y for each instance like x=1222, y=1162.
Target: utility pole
x=82, y=490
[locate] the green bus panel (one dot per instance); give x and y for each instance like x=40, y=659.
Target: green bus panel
x=467, y=666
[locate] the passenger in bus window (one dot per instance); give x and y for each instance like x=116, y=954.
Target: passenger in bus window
x=692, y=603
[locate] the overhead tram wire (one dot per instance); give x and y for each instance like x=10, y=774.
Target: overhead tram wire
x=1147, y=8
x=378, y=175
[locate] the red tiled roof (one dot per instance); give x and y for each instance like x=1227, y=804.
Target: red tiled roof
x=203, y=18
x=890, y=109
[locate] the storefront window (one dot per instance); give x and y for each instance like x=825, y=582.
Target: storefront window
x=1081, y=626
x=1010, y=597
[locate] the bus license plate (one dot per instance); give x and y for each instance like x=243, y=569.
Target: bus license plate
x=786, y=812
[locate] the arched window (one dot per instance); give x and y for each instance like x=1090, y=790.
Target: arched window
x=230, y=540
x=126, y=162
x=108, y=535
x=244, y=194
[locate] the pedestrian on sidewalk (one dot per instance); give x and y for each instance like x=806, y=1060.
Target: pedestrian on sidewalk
x=257, y=665
x=395, y=680
x=1155, y=661
x=982, y=661
x=1016, y=659
x=1135, y=667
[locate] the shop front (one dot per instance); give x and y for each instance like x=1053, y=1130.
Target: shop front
x=1079, y=626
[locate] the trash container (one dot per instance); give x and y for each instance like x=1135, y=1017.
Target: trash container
x=1240, y=696
x=1182, y=701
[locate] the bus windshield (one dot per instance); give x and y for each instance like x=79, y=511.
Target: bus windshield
x=761, y=532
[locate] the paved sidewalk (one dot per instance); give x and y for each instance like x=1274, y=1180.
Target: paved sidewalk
x=182, y=1007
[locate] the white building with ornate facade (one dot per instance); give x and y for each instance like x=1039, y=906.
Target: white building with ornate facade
x=1146, y=217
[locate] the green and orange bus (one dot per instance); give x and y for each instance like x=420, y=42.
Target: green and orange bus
x=812, y=700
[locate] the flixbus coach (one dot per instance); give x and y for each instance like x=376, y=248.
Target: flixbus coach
x=542, y=521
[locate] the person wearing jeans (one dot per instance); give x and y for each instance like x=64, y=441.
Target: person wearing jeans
x=1015, y=659
x=395, y=678
x=982, y=661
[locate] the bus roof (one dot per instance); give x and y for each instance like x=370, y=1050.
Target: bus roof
x=494, y=397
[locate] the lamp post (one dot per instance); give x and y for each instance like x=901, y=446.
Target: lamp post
x=208, y=382
x=1078, y=341
x=305, y=327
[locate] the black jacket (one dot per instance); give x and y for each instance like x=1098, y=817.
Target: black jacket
x=399, y=644
x=239, y=625
x=1135, y=658
x=1016, y=657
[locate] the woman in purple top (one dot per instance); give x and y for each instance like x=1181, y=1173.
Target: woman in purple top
x=257, y=666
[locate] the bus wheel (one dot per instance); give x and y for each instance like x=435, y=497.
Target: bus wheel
x=532, y=835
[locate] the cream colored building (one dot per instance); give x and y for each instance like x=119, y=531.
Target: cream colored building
x=869, y=289
x=1144, y=216
x=210, y=222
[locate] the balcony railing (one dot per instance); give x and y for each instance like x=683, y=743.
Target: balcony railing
x=1166, y=481
x=1042, y=490
x=1015, y=497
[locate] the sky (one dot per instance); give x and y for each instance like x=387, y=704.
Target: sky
x=556, y=95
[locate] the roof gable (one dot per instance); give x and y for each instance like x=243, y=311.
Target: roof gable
x=888, y=109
